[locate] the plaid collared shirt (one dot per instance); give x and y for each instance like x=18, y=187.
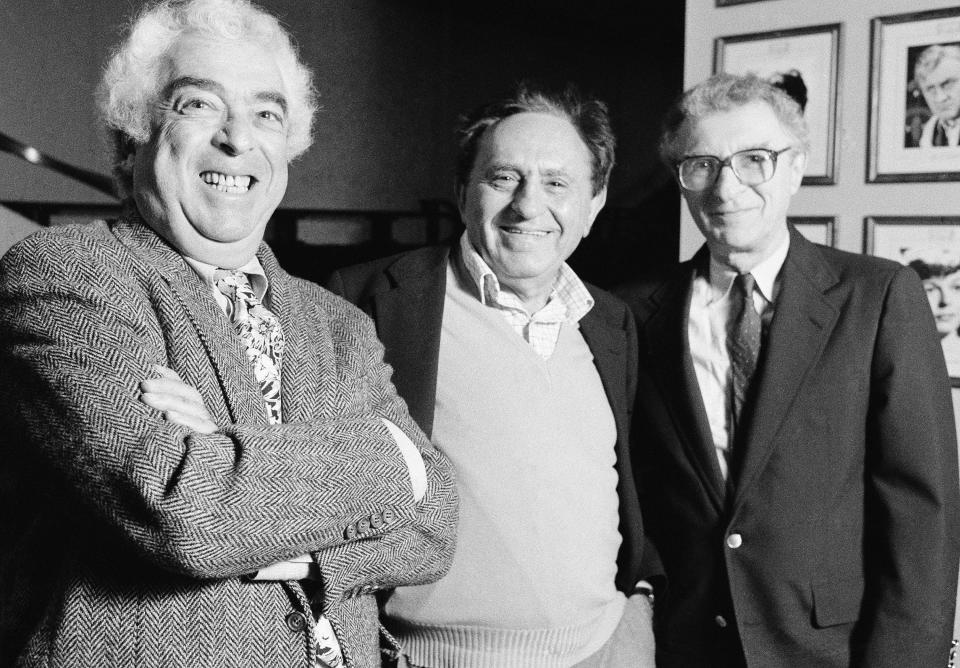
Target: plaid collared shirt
x=568, y=302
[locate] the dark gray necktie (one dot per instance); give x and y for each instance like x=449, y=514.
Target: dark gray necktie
x=743, y=345
x=940, y=136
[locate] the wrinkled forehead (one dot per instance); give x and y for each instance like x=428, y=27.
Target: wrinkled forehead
x=535, y=138
x=947, y=69
x=234, y=67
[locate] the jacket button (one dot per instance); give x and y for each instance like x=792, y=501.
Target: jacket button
x=363, y=526
x=734, y=541
x=720, y=621
x=350, y=532
x=296, y=622
x=376, y=520
x=389, y=515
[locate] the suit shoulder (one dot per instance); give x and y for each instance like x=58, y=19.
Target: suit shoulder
x=604, y=300
x=650, y=281
x=864, y=269
x=66, y=251
x=859, y=262
x=426, y=256
x=357, y=281
x=333, y=305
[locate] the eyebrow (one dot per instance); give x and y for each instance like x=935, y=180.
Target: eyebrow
x=276, y=97
x=493, y=168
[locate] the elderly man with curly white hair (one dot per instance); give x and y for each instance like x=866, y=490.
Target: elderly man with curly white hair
x=205, y=461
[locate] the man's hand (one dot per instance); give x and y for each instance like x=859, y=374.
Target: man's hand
x=180, y=403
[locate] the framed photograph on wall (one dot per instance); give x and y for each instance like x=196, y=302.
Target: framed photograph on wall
x=915, y=97
x=931, y=246
x=804, y=61
x=818, y=229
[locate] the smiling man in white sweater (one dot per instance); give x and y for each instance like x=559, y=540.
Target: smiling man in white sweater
x=523, y=376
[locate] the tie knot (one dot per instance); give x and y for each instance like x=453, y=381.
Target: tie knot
x=228, y=281
x=745, y=283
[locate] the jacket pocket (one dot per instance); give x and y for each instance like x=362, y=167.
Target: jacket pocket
x=837, y=602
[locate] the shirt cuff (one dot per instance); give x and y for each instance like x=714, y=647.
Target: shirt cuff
x=297, y=568
x=411, y=455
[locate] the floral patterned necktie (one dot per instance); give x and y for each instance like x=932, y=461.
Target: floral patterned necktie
x=261, y=334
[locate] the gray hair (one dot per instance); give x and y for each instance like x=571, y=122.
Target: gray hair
x=587, y=115
x=132, y=79
x=930, y=58
x=725, y=92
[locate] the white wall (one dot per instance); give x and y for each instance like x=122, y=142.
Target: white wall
x=13, y=228
x=851, y=198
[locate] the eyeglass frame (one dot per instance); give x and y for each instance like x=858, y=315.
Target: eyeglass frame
x=774, y=155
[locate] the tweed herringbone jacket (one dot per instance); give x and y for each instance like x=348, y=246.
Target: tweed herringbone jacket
x=126, y=538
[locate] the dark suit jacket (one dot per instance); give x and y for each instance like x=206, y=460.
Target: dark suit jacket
x=846, y=500
x=125, y=537
x=404, y=294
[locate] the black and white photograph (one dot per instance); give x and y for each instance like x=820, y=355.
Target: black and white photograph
x=803, y=61
x=915, y=97
x=931, y=246
x=818, y=229
x=432, y=334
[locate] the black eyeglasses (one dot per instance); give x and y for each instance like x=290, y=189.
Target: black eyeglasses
x=752, y=167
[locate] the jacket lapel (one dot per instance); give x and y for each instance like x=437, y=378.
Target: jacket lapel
x=408, y=316
x=221, y=347
x=308, y=379
x=606, y=343
x=668, y=354
x=801, y=325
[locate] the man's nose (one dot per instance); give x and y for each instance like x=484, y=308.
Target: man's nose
x=528, y=200
x=234, y=136
x=727, y=182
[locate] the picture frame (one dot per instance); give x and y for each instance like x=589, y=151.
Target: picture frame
x=727, y=3
x=809, y=58
x=902, y=127
x=931, y=245
x=818, y=229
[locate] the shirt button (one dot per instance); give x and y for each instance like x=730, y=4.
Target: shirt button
x=296, y=622
x=734, y=541
x=720, y=621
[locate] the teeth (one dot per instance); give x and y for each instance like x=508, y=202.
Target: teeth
x=532, y=233
x=227, y=183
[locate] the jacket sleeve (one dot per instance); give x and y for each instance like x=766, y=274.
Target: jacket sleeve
x=912, y=505
x=81, y=332
x=419, y=547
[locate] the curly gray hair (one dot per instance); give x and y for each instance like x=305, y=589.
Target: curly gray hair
x=132, y=79
x=723, y=92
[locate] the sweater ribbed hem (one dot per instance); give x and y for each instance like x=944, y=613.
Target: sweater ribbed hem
x=484, y=647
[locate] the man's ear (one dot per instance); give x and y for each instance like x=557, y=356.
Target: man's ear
x=596, y=204
x=797, y=167
x=460, y=191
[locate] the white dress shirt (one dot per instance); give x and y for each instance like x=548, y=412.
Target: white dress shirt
x=710, y=313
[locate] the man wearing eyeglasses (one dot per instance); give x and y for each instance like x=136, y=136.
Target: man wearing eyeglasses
x=799, y=466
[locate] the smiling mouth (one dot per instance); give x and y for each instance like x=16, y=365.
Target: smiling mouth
x=524, y=231
x=228, y=183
